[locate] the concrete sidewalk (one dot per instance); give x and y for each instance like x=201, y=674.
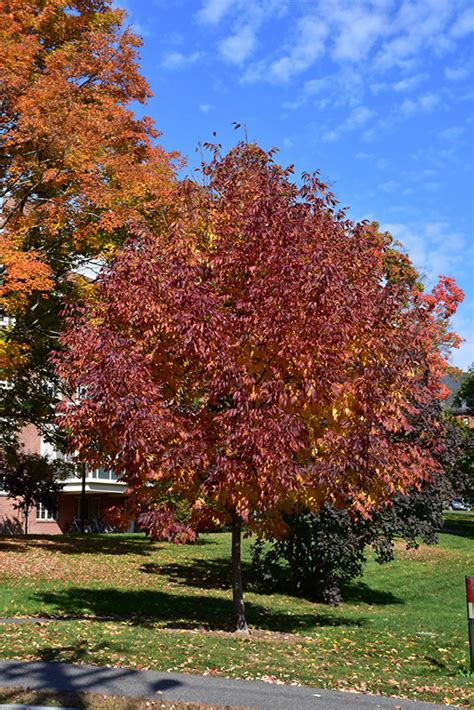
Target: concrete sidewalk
x=189, y=688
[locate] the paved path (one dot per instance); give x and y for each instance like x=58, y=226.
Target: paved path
x=190, y=688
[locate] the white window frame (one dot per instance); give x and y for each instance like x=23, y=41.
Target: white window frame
x=103, y=474
x=43, y=515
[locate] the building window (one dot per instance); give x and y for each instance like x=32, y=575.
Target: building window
x=43, y=513
x=80, y=393
x=91, y=510
x=104, y=474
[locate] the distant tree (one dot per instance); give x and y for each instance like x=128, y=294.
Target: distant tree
x=30, y=480
x=78, y=171
x=259, y=355
x=464, y=397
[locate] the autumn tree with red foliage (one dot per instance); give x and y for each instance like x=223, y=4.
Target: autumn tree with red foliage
x=258, y=356
x=77, y=169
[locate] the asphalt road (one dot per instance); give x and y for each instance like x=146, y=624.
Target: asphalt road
x=190, y=688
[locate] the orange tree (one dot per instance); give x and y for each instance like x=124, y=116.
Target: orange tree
x=260, y=355
x=77, y=168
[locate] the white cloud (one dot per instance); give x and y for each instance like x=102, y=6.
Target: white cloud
x=418, y=176
x=244, y=19
x=174, y=39
x=293, y=105
x=464, y=24
x=357, y=29
x=389, y=186
x=409, y=82
x=433, y=247
x=178, y=60
x=347, y=87
x=349, y=47
x=407, y=109
x=415, y=27
x=304, y=47
x=378, y=86
x=385, y=34
x=339, y=90
x=331, y=135
x=309, y=45
x=237, y=47
x=141, y=30
x=456, y=73
x=401, y=85
x=463, y=326
x=395, y=53
x=451, y=134
x=205, y=108
x=314, y=87
x=213, y=11
x=427, y=102
x=435, y=250
x=357, y=118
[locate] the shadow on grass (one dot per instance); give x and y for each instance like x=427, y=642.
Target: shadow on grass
x=359, y=592
x=69, y=654
x=462, y=525
x=135, y=544
x=202, y=573
x=140, y=607
x=42, y=698
x=436, y=662
x=9, y=544
x=77, y=543
x=216, y=573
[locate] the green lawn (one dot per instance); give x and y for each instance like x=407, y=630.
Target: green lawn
x=402, y=629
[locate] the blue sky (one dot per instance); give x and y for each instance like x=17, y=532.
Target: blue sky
x=376, y=94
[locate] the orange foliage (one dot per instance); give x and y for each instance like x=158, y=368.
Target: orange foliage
x=25, y=272
x=76, y=165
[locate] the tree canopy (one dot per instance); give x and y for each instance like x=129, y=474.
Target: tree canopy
x=259, y=354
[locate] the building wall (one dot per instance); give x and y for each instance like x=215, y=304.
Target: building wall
x=9, y=514
x=467, y=419
x=30, y=439
x=67, y=511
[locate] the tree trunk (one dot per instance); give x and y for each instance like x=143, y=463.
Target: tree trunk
x=237, y=589
x=27, y=513
x=83, y=498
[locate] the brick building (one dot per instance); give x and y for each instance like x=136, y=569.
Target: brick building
x=102, y=490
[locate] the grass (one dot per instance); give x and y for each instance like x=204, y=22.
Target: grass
x=401, y=631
